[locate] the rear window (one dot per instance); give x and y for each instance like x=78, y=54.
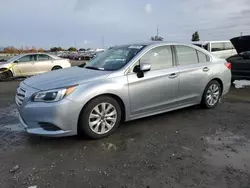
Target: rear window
x=202, y=57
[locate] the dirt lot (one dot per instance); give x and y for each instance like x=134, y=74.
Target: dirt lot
x=185, y=148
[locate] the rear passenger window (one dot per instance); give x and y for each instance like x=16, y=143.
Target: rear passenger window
x=159, y=58
x=186, y=55
x=202, y=57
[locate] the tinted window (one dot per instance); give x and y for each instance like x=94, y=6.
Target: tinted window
x=27, y=58
x=202, y=57
x=159, y=58
x=186, y=55
x=43, y=57
x=215, y=47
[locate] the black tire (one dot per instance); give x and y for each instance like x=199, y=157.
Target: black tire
x=5, y=76
x=56, y=68
x=204, y=103
x=83, y=125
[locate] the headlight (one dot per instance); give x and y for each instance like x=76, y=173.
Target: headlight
x=53, y=95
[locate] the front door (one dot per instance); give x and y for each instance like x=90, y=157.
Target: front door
x=158, y=89
x=25, y=66
x=195, y=71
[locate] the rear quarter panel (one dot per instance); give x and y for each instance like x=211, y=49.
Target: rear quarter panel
x=64, y=63
x=220, y=71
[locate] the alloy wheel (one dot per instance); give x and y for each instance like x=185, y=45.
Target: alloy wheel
x=213, y=95
x=102, y=118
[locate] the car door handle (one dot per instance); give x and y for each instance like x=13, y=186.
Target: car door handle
x=205, y=69
x=172, y=76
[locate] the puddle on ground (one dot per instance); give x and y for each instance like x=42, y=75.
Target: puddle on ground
x=241, y=84
x=228, y=149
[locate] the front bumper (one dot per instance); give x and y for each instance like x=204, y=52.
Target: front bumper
x=62, y=115
x=41, y=131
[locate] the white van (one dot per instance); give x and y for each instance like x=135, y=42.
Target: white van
x=221, y=49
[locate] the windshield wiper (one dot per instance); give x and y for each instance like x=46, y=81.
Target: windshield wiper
x=93, y=68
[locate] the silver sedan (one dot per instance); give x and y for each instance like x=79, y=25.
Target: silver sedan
x=121, y=84
x=31, y=64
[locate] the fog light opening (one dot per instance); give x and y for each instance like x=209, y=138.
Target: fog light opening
x=49, y=126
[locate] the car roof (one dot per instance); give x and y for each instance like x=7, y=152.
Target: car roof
x=205, y=42
x=154, y=43
x=35, y=53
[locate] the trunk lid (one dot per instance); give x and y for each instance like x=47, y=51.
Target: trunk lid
x=241, y=44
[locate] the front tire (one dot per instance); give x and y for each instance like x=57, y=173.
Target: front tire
x=5, y=76
x=100, y=118
x=211, y=95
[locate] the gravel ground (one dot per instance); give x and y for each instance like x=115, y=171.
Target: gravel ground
x=185, y=148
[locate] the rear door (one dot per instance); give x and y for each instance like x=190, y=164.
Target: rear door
x=44, y=63
x=194, y=72
x=25, y=66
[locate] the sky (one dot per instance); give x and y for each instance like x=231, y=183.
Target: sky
x=91, y=23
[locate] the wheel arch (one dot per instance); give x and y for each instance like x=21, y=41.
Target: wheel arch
x=3, y=69
x=220, y=82
x=114, y=96
x=56, y=66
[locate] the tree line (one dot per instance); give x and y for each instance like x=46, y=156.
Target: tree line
x=13, y=50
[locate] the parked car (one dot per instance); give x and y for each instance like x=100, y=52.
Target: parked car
x=31, y=64
x=147, y=79
x=241, y=61
x=221, y=49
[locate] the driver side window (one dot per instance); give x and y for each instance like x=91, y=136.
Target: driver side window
x=159, y=58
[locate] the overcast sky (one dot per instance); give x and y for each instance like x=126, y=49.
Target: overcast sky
x=82, y=23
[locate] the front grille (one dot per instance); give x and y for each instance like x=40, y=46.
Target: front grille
x=20, y=95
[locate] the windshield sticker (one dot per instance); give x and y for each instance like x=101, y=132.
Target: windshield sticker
x=135, y=47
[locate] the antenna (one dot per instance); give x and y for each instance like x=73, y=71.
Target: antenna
x=157, y=31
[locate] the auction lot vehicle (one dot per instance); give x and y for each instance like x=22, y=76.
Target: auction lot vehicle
x=241, y=61
x=121, y=84
x=221, y=49
x=31, y=64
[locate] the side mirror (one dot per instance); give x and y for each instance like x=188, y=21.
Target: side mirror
x=144, y=67
x=16, y=61
x=140, y=69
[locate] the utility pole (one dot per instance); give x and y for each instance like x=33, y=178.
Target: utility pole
x=241, y=33
x=157, y=31
x=102, y=42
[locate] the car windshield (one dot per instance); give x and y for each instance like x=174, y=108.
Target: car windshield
x=13, y=58
x=114, y=58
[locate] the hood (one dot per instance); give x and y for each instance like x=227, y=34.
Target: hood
x=241, y=44
x=4, y=64
x=64, y=77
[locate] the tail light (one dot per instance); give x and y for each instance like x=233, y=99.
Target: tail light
x=228, y=65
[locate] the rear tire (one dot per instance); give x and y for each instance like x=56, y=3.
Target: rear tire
x=100, y=117
x=5, y=76
x=211, y=95
x=56, y=68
